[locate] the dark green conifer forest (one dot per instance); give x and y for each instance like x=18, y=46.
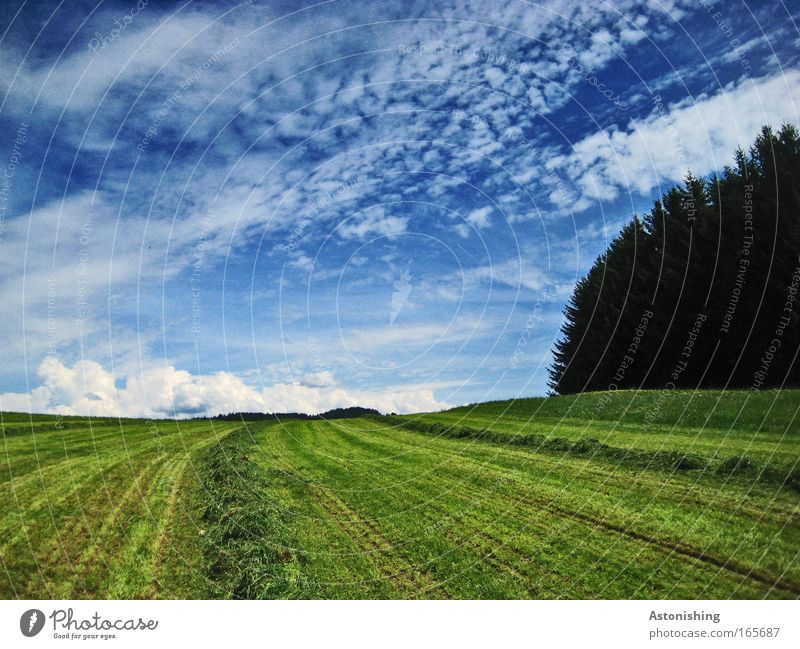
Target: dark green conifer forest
x=699, y=292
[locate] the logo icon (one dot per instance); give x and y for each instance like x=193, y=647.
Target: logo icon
x=402, y=289
x=31, y=622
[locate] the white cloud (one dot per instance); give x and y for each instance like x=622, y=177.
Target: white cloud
x=72, y=258
x=322, y=379
x=254, y=187
x=393, y=336
x=375, y=222
x=480, y=217
x=86, y=388
x=516, y=273
x=289, y=397
x=692, y=135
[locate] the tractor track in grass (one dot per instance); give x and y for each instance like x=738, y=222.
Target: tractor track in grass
x=540, y=520
x=381, y=552
x=89, y=547
x=95, y=503
x=474, y=531
x=659, y=460
x=359, y=508
x=166, y=531
x=45, y=497
x=467, y=532
x=676, y=547
x=87, y=551
x=487, y=545
x=366, y=535
x=536, y=506
x=684, y=494
x=684, y=550
x=71, y=535
x=473, y=535
x=681, y=495
x=370, y=538
x=677, y=491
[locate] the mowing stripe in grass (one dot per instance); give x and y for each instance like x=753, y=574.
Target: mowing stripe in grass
x=93, y=510
x=250, y=549
x=670, y=461
x=436, y=499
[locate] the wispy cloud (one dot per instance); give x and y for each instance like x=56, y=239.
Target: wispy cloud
x=221, y=184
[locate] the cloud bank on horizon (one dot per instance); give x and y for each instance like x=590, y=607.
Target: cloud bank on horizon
x=294, y=206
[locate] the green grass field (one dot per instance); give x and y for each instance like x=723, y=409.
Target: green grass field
x=619, y=495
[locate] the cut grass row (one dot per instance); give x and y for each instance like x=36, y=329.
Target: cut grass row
x=741, y=467
x=376, y=509
x=101, y=510
x=730, y=433
x=362, y=509
x=249, y=550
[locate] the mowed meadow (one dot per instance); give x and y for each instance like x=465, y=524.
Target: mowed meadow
x=604, y=495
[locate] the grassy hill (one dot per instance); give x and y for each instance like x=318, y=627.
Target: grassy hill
x=767, y=410
x=726, y=433
x=614, y=495
x=100, y=508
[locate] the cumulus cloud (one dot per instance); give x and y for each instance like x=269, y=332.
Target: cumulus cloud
x=87, y=388
x=689, y=135
x=302, y=132
x=376, y=222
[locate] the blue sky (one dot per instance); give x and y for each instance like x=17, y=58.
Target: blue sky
x=295, y=206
